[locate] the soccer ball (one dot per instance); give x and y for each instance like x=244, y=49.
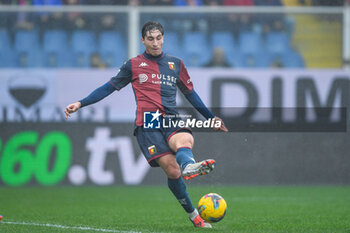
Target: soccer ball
x=212, y=207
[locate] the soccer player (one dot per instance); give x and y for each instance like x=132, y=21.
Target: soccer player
x=155, y=77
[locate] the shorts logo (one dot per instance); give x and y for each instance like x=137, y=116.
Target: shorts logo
x=171, y=65
x=143, y=78
x=151, y=120
x=152, y=150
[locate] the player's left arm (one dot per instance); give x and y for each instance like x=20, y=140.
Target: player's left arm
x=196, y=101
x=186, y=86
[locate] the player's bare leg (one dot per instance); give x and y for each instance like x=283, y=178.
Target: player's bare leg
x=178, y=188
x=169, y=165
x=182, y=143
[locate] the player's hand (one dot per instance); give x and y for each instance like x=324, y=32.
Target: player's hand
x=222, y=125
x=72, y=108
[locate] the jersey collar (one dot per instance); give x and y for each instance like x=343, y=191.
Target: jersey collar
x=150, y=57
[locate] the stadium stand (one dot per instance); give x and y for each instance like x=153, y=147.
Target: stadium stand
x=27, y=49
x=112, y=48
x=83, y=44
x=172, y=44
x=225, y=40
x=244, y=37
x=7, y=58
x=26, y=40
x=196, y=52
x=250, y=42
x=55, y=48
x=277, y=43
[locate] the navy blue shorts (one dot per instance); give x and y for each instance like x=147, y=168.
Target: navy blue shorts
x=154, y=143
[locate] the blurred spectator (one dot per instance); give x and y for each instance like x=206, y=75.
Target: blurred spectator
x=108, y=22
x=270, y=22
x=190, y=22
x=52, y=60
x=106, y=2
x=243, y=21
x=45, y=20
x=268, y=2
x=96, y=61
x=276, y=63
x=188, y=2
x=218, y=58
x=234, y=22
x=238, y=3
x=328, y=2
x=134, y=3
x=47, y=2
x=24, y=20
x=102, y=21
x=76, y=20
x=213, y=2
x=6, y=2
x=56, y=20
x=158, y=2
x=329, y=17
x=7, y=19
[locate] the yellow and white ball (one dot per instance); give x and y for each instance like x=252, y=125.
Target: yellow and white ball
x=212, y=207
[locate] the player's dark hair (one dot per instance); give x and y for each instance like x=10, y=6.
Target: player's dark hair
x=150, y=26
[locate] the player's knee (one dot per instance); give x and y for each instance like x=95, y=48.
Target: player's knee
x=181, y=140
x=173, y=171
x=187, y=142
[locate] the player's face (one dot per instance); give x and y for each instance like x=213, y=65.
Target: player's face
x=153, y=42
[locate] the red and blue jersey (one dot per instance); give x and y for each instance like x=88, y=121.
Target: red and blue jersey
x=154, y=81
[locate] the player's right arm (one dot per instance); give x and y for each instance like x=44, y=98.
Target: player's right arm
x=116, y=83
x=95, y=96
x=72, y=108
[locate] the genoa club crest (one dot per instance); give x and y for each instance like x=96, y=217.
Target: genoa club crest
x=152, y=150
x=171, y=65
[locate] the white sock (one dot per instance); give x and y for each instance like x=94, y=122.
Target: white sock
x=193, y=214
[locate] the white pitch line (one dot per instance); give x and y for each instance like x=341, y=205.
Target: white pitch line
x=66, y=227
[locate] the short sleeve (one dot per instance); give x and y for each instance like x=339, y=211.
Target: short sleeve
x=184, y=83
x=123, y=76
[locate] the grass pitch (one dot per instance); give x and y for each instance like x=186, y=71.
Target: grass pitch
x=154, y=209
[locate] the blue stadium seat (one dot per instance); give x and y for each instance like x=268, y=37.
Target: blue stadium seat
x=172, y=44
x=55, y=48
x=26, y=41
x=7, y=58
x=141, y=47
x=112, y=48
x=4, y=40
x=292, y=59
x=277, y=43
x=250, y=42
x=55, y=40
x=227, y=42
x=27, y=49
x=58, y=59
x=254, y=60
x=83, y=45
x=224, y=40
x=196, y=49
x=83, y=41
x=235, y=59
x=30, y=59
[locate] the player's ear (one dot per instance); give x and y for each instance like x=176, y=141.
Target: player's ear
x=142, y=40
